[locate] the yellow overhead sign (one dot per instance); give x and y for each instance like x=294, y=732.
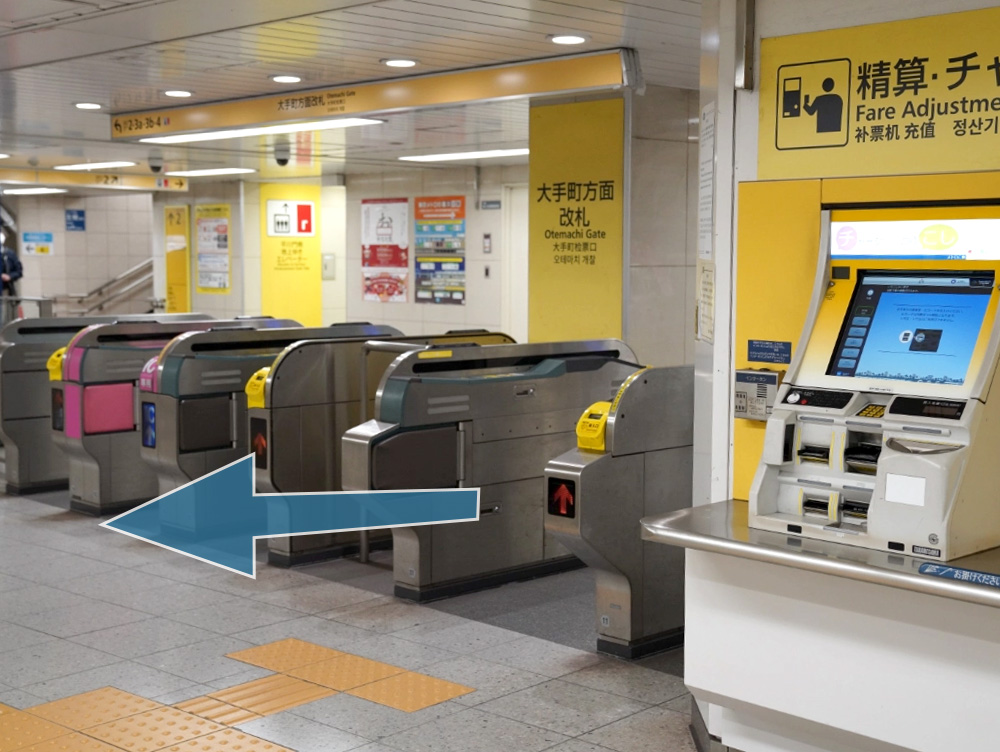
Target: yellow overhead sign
x=92, y=179
x=906, y=97
x=177, y=246
x=579, y=73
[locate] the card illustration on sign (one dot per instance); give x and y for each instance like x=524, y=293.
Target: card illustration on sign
x=813, y=104
x=290, y=218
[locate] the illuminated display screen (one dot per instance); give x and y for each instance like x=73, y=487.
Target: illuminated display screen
x=58, y=410
x=149, y=425
x=912, y=326
x=942, y=238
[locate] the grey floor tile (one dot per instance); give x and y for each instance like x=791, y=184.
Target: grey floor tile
x=301, y=734
x=316, y=598
x=18, y=698
x=202, y=662
x=575, y=745
x=468, y=637
x=652, y=730
x=369, y=719
x=490, y=680
x=10, y=582
x=388, y=615
x=106, y=585
x=173, y=598
x=568, y=621
x=14, y=637
x=562, y=707
x=628, y=680
x=77, y=620
x=402, y=653
x=680, y=704
x=375, y=747
x=540, y=656
x=236, y=615
x=48, y=660
x=153, y=635
x=36, y=598
x=181, y=569
x=188, y=692
x=53, y=571
x=268, y=580
x=331, y=634
x=247, y=674
x=669, y=662
x=125, y=675
x=473, y=729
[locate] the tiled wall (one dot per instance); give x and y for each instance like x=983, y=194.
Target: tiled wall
x=663, y=216
x=118, y=236
x=483, y=298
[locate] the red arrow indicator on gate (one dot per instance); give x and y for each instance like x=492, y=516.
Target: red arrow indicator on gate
x=564, y=499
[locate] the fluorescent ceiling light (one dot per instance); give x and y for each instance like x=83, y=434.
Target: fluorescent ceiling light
x=32, y=191
x=94, y=166
x=87, y=106
x=400, y=63
x=286, y=79
x=265, y=130
x=567, y=38
x=489, y=154
x=179, y=93
x=4, y=156
x=206, y=173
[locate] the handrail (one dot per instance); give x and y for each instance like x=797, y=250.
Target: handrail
x=122, y=293
x=45, y=305
x=139, y=268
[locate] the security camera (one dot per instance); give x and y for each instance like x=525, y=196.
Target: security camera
x=155, y=163
x=282, y=153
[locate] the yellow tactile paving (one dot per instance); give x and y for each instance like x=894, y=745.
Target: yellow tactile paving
x=153, y=730
x=272, y=694
x=93, y=708
x=285, y=655
x=345, y=672
x=7, y=709
x=410, y=691
x=71, y=743
x=217, y=710
x=19, y=729
x=229, y=740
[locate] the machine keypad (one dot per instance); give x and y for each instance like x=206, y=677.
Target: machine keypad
x=872, y=411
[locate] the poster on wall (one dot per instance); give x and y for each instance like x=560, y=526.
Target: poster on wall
x=440, y=228
x=385, y=249
x=212, y=225
x=177, y=242
x=440, y=279
x=38, y=243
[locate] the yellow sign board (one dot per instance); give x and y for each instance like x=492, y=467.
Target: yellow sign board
x=575, y=220
x=899, y=98
x=177, y=232
x=92, y=180
x=290, y=282
x=579, y=73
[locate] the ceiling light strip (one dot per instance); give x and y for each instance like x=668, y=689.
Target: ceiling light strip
x=456, y=156
x=266, y=130
x=568, y=74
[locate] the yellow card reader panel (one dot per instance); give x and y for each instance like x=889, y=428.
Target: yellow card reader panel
x=255, y=388
x=54, y=364
x=590, y=429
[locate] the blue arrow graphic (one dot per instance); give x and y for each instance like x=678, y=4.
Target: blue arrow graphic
x=217, y=517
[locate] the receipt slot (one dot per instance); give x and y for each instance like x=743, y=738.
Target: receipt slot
x=632, y=460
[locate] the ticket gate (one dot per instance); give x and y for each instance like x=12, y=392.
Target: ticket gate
x=632, y=459
x=192, y=404
x=33, y=462
x=94, y=408
x=300, y=408
x=486, y=417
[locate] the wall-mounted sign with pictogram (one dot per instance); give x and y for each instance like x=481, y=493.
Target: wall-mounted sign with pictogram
x=290, y=219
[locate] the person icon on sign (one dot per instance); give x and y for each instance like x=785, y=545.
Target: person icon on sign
x=828, y=109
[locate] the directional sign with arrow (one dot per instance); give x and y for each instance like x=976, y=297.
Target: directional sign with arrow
x=218, y=517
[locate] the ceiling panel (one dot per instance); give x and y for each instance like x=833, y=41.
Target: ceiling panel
x=124, y=53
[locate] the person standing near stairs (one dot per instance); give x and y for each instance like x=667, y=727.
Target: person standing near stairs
x=10, y=272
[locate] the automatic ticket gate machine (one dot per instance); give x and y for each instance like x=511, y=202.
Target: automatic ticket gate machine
x=486, y=417
x=300, y=408
x=192, y=404
x=33, y=462
x=632, y=459
x=94, y=408
x=884, y=433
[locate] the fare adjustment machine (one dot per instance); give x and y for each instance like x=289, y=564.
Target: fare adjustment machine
x=632, y=460
x=885, y=432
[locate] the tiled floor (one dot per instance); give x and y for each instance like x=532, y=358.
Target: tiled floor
x=83, y=608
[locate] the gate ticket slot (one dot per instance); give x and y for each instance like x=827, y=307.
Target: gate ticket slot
x=884, y=431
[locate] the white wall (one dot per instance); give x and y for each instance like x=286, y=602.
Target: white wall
x=118, y=236
x=482, y=308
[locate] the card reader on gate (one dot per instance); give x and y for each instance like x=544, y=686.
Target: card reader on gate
x=590, y=429
x=54, y=364
x=255, y=388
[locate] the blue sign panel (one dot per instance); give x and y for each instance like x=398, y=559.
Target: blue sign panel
x=962, y=575
x=766, y=351
x=76, y=220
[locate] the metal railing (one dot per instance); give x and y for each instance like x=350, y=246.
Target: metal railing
x=120, y=287
x=23, y=305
